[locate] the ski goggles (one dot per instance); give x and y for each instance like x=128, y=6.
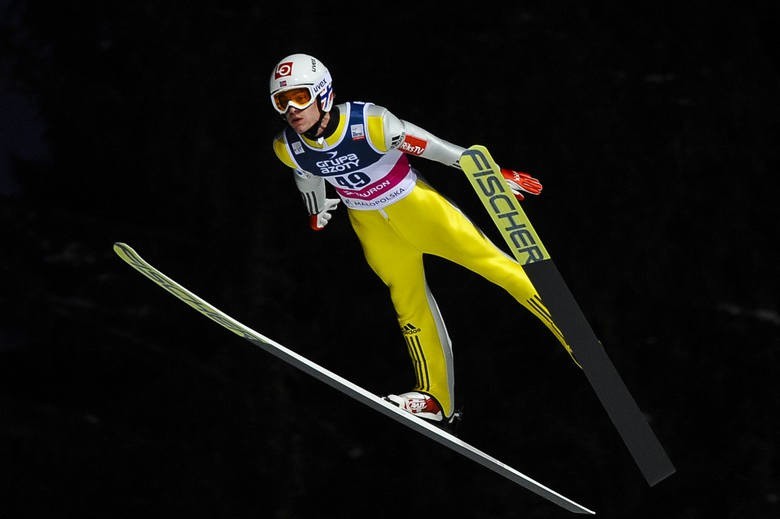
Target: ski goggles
x=299, y=97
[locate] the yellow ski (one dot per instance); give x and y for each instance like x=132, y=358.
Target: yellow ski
x=526, y=246
x=373, y=401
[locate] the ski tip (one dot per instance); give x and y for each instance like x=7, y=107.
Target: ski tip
x=123, y=250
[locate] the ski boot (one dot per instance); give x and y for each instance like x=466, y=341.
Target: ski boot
x=425, y=406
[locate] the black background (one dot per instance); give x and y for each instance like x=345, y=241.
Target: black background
x=654, y=131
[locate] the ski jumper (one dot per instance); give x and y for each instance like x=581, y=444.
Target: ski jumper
x=398, y=219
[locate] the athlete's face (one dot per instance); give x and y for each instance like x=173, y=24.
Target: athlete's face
x=302, y=120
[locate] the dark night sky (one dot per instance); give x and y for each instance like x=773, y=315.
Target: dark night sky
x=653, y=129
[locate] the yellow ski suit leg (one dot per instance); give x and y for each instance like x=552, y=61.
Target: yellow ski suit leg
x=394, y=240
x=399, y=264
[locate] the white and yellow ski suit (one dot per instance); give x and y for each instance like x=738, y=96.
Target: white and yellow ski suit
x=398, y=218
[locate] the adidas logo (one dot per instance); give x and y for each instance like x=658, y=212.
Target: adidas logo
x=409, y=329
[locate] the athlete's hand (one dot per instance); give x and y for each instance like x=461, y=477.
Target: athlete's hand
x=520, y=182
x=320, y=220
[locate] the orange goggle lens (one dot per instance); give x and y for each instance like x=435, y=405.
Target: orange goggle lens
x=298, y=97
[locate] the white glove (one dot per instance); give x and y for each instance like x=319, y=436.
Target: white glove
x=320, y=220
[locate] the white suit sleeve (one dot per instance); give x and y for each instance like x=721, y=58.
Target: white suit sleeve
x=312, y=190
x=423, y=143
x=412, y=139
x=312, y=187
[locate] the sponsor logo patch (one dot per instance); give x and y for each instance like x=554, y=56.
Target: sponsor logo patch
x=357, y=131
x=413, y=145
x=284, y=69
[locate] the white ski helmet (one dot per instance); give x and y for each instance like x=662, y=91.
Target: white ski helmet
x=299, y=80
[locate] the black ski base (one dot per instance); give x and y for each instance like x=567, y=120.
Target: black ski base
x=621, y=407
